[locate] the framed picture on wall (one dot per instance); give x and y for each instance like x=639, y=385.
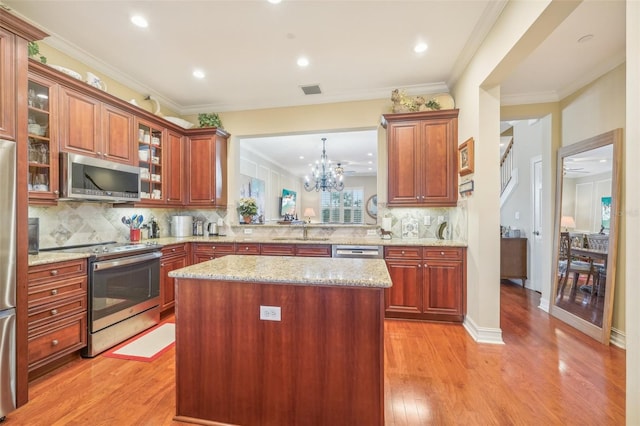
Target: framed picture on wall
x=465, y=157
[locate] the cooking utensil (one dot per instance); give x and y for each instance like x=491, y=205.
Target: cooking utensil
x=140, y=219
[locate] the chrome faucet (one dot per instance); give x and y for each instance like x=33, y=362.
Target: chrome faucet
x=305, y=231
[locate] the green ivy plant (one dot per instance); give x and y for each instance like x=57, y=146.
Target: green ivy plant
x=209, y=120
x=34, y=52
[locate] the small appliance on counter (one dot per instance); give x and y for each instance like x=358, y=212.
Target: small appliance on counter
x=181, y=226
x=34, y=235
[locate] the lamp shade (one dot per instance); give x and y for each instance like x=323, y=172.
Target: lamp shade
x=308, y=212
x=567, y=222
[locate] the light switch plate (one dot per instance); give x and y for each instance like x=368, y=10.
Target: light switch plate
x=270, y=313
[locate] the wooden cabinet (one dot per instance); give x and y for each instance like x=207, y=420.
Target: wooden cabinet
x=207, y=171
x=428, y=283
x=174, y=180
x=247, y=248
x=513, y=258
x=57, y=311
x=207, y=251
x=150, y=145
x=89, y=127
x=278, y=249
x=42, y=142
x=313, y=250
x=174, y=256
x=8, y=98
x=422, y=158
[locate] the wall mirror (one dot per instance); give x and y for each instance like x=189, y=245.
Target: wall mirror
x=586, y=233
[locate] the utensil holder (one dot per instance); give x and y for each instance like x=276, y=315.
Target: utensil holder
x=134, y=235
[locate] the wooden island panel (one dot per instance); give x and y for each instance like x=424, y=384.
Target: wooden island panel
x=321, y=364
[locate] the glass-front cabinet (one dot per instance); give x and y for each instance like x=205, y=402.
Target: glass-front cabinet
x=150, y=145
x=42, y=141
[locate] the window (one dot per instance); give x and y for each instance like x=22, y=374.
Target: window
x=342, y=207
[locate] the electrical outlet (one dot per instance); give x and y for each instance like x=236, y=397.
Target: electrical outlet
x=427, y=220
x=248, y=231
x=440, y=219
x=517, y=215
x=270, y=313
x=371, y=232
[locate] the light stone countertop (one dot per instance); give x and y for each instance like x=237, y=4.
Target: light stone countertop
x=45, y=257
x=291, y=270
x=365, y=241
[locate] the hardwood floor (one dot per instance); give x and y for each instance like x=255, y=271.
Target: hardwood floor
x=546, y=373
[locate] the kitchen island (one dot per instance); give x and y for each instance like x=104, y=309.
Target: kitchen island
x=267, y=340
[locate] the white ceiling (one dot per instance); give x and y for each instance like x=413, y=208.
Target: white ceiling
x=358, y=49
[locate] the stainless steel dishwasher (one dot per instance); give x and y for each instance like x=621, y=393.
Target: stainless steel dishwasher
x=357, y=251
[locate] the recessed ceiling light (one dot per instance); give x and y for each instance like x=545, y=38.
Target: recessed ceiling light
x=198, y=73
x=139, y=21
x=302, y=157
x=585, y=38
x=420, y=47
x=274, y=1
x=370, y=154
x=303, y=62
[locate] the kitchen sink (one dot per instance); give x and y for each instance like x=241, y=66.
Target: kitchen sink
x=300, y=239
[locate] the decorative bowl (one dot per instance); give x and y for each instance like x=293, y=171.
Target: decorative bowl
x=67, y=71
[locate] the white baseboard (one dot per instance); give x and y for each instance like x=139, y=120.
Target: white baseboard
x=618, y=338
x=544, y=305
x=483, y=334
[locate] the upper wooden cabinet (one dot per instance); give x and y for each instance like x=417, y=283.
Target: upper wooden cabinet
x=89, y=127
x=422, y=158
x=8, y=84
x=207, y=171
x=174, y=168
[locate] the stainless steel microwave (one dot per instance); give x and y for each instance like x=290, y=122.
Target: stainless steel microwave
x=92, y=179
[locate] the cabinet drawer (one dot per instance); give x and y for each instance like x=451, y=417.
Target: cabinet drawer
x=57, y=339
x=251, y=248
x=449, y=253
x=42, y=273
x=278, y=249
x=403, y=252
x=54, y=291
x=213, y=248
x=47, y=313
x=313, y=250
x=175, y=250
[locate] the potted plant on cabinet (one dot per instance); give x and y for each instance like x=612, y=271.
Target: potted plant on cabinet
x=209, y=120
x=247, y=207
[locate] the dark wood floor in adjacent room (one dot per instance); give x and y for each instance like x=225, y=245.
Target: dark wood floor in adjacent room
x=545, y=373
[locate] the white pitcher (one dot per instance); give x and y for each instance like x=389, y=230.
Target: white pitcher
x=95, y=81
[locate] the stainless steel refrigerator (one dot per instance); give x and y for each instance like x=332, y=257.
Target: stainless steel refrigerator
x=7, y=277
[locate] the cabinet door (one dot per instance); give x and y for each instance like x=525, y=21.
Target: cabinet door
x=79, y=123
x=438, y=163
x=404, y=298
x=442, y=292
x=117, y=135
x=201, y=157
x=8, y=84
x=42, y=142
x=167, y=283
x=403, y=157
x=173, y=166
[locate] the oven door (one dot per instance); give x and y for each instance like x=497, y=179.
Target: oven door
x=123, y=287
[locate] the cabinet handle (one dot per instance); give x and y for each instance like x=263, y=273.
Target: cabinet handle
x=54, y=291
x=213, y=247
x=417, y=197
x=54, y=272
x=173, y=249
x=419, y=265
x=210, y=258
x=54, y=342
x=54, y=312
x=162, y=264
x=56, y=192
x=246, y=248
x=403, y=252
x=99, y=154
x=441, y=253
x=423, y=197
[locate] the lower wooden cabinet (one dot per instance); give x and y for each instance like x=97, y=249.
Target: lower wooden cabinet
x=428, y=283
x=207, y=251
x=174, y=256
x=57, y=311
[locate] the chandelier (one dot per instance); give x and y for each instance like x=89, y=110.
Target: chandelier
x=324, y=177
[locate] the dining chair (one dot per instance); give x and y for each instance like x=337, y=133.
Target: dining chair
x=599, y=242
x=569, y=264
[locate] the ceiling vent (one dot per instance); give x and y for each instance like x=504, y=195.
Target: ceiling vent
x=312, y=89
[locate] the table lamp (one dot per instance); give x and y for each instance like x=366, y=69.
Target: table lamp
x=567, y=222
x=309, y=213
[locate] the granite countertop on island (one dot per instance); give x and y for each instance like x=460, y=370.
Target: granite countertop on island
x=291, y=270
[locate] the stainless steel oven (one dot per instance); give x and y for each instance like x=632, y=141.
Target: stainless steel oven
x=124, y=298
x=123, y=293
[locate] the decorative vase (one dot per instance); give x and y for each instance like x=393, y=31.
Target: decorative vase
x=247, y=219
